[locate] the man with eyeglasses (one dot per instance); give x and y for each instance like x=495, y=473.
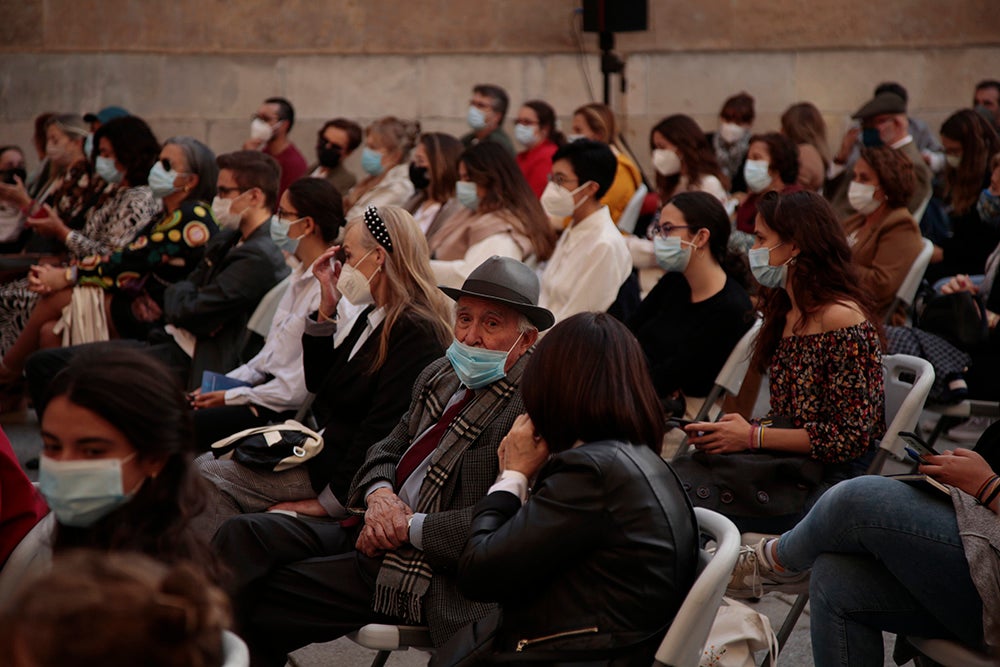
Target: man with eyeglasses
x=485, y=115
x=269, y=130
x=591, y=263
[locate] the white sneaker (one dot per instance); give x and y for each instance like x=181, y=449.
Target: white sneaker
x=969, y=431
x=753, y=575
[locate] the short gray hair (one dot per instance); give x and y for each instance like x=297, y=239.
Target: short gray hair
x=524, y=324
x=201, y=162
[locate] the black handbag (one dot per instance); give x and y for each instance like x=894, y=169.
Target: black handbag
x=959, y=318
x=749, y=484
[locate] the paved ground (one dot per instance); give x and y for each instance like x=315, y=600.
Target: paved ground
x=23, y=433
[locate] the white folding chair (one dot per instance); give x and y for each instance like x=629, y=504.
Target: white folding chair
x=730, y=378
x=386, y=638
x=630, y=214
x=907, y=291
x=263, y=314
x=907, y=382
x=684, y=642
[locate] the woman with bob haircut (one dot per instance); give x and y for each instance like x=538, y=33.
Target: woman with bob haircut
x=884, y=238
x=598, y=557
x=434, y=172
x=501, y=216
x=117, y=443
x=821, y=347
x=362, y=379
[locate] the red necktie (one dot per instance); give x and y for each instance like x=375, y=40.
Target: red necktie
x=426, y=444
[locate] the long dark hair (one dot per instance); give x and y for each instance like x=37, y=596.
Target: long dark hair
x=443, y=151
x=141, y=398
x=693, y=149
x=588, y=380
x=824, y=271
x=979, y=142
x=491, y=166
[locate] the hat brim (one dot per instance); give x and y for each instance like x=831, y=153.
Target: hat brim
x=91, y=117
x=542, y=318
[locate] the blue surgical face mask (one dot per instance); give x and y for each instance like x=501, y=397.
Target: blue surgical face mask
x=476, y=118
x=105, y=168
x=757, y=174
x=760, y=267
x=671, y=254
x=371, y=161
x=161, y=181
x=279, y=234
x=476, y=366
x=465, y=192
x=80, y=493
x=525, y=135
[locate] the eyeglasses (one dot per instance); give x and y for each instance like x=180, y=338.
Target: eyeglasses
x=167, y=165
x=665, y=229
x=525, y=121
x=559, y=179
x=266, y=119
x=224, y=191
x=292, y=216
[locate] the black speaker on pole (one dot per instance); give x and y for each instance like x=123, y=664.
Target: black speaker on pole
x=606, y=17
x=615, y=15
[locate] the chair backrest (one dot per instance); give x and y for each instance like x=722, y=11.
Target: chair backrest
x=919, y=213
x=908, y=382
x=907, y=291
x=684, y=642
x=234, y=651
x=263, y=314
x=630, y=215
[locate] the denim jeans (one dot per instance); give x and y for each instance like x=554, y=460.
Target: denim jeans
x=885, y=556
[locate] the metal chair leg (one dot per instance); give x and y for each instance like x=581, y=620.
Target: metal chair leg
x=791, y=619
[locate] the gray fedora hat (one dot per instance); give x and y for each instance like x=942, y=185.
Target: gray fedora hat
x=883, y=103
x=507, y=281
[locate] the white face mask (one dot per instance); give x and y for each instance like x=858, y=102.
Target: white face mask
x=861, y=197
x=570, y=138
x=666, y=161
x=525, y=135
x=223, y=213
x=953, y=161
x=558, y=201
x=756, y=174
x=261, y=130
x=731, y=132
x=353, y=285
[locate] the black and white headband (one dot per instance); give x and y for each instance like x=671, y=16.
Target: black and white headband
x=375, y=225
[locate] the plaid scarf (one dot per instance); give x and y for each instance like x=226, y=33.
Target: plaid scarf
x=405, y=575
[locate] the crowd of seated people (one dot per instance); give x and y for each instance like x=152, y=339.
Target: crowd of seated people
x=463, y=326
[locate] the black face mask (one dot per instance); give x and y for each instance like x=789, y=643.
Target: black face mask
x=7, y=175
x=329, y=157
x=419, y=177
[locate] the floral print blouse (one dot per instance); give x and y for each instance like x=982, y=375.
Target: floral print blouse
x=831, y=385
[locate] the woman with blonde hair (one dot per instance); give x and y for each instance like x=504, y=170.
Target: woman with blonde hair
x=388, y=142
x=362, y=371
x=803, y=124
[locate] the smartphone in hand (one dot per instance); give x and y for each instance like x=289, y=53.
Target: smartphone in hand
x=916, y=448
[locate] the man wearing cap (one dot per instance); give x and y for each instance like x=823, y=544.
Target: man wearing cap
x=298, y=581
x=883, y=123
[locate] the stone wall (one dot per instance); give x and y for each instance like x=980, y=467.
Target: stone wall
x=201, y=67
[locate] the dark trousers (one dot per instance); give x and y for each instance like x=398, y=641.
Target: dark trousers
x=295, y=582
x=214, y=424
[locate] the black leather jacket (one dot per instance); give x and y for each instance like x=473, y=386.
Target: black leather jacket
x=597, y=561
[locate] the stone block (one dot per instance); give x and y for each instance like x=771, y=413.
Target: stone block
x=19, y=134
x=446, y=82
x=353, y=86
x=21, y=25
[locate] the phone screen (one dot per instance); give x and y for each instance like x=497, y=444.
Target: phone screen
x=916, y=443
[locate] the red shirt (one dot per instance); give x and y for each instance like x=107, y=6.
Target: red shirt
x=536, y=163
x=293, y=166
x=21, y=506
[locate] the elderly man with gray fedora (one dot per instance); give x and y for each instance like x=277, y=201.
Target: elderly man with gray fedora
x=298, y=581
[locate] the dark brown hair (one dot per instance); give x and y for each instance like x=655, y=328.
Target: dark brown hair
x=546, y=120
x=352, y=129
x=696, y=154
x=894, y=171
x=824, y=273
x=490, y=165
x=784, y=155
x=979, y=142
x=254, y=169
x=141, y=398
x=316, y=198
x=738, y=109
x=803, y=124
x=588, y=381
x=443, y=151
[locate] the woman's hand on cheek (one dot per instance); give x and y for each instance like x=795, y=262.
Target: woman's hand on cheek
x=522, y=449
x=729, y=434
